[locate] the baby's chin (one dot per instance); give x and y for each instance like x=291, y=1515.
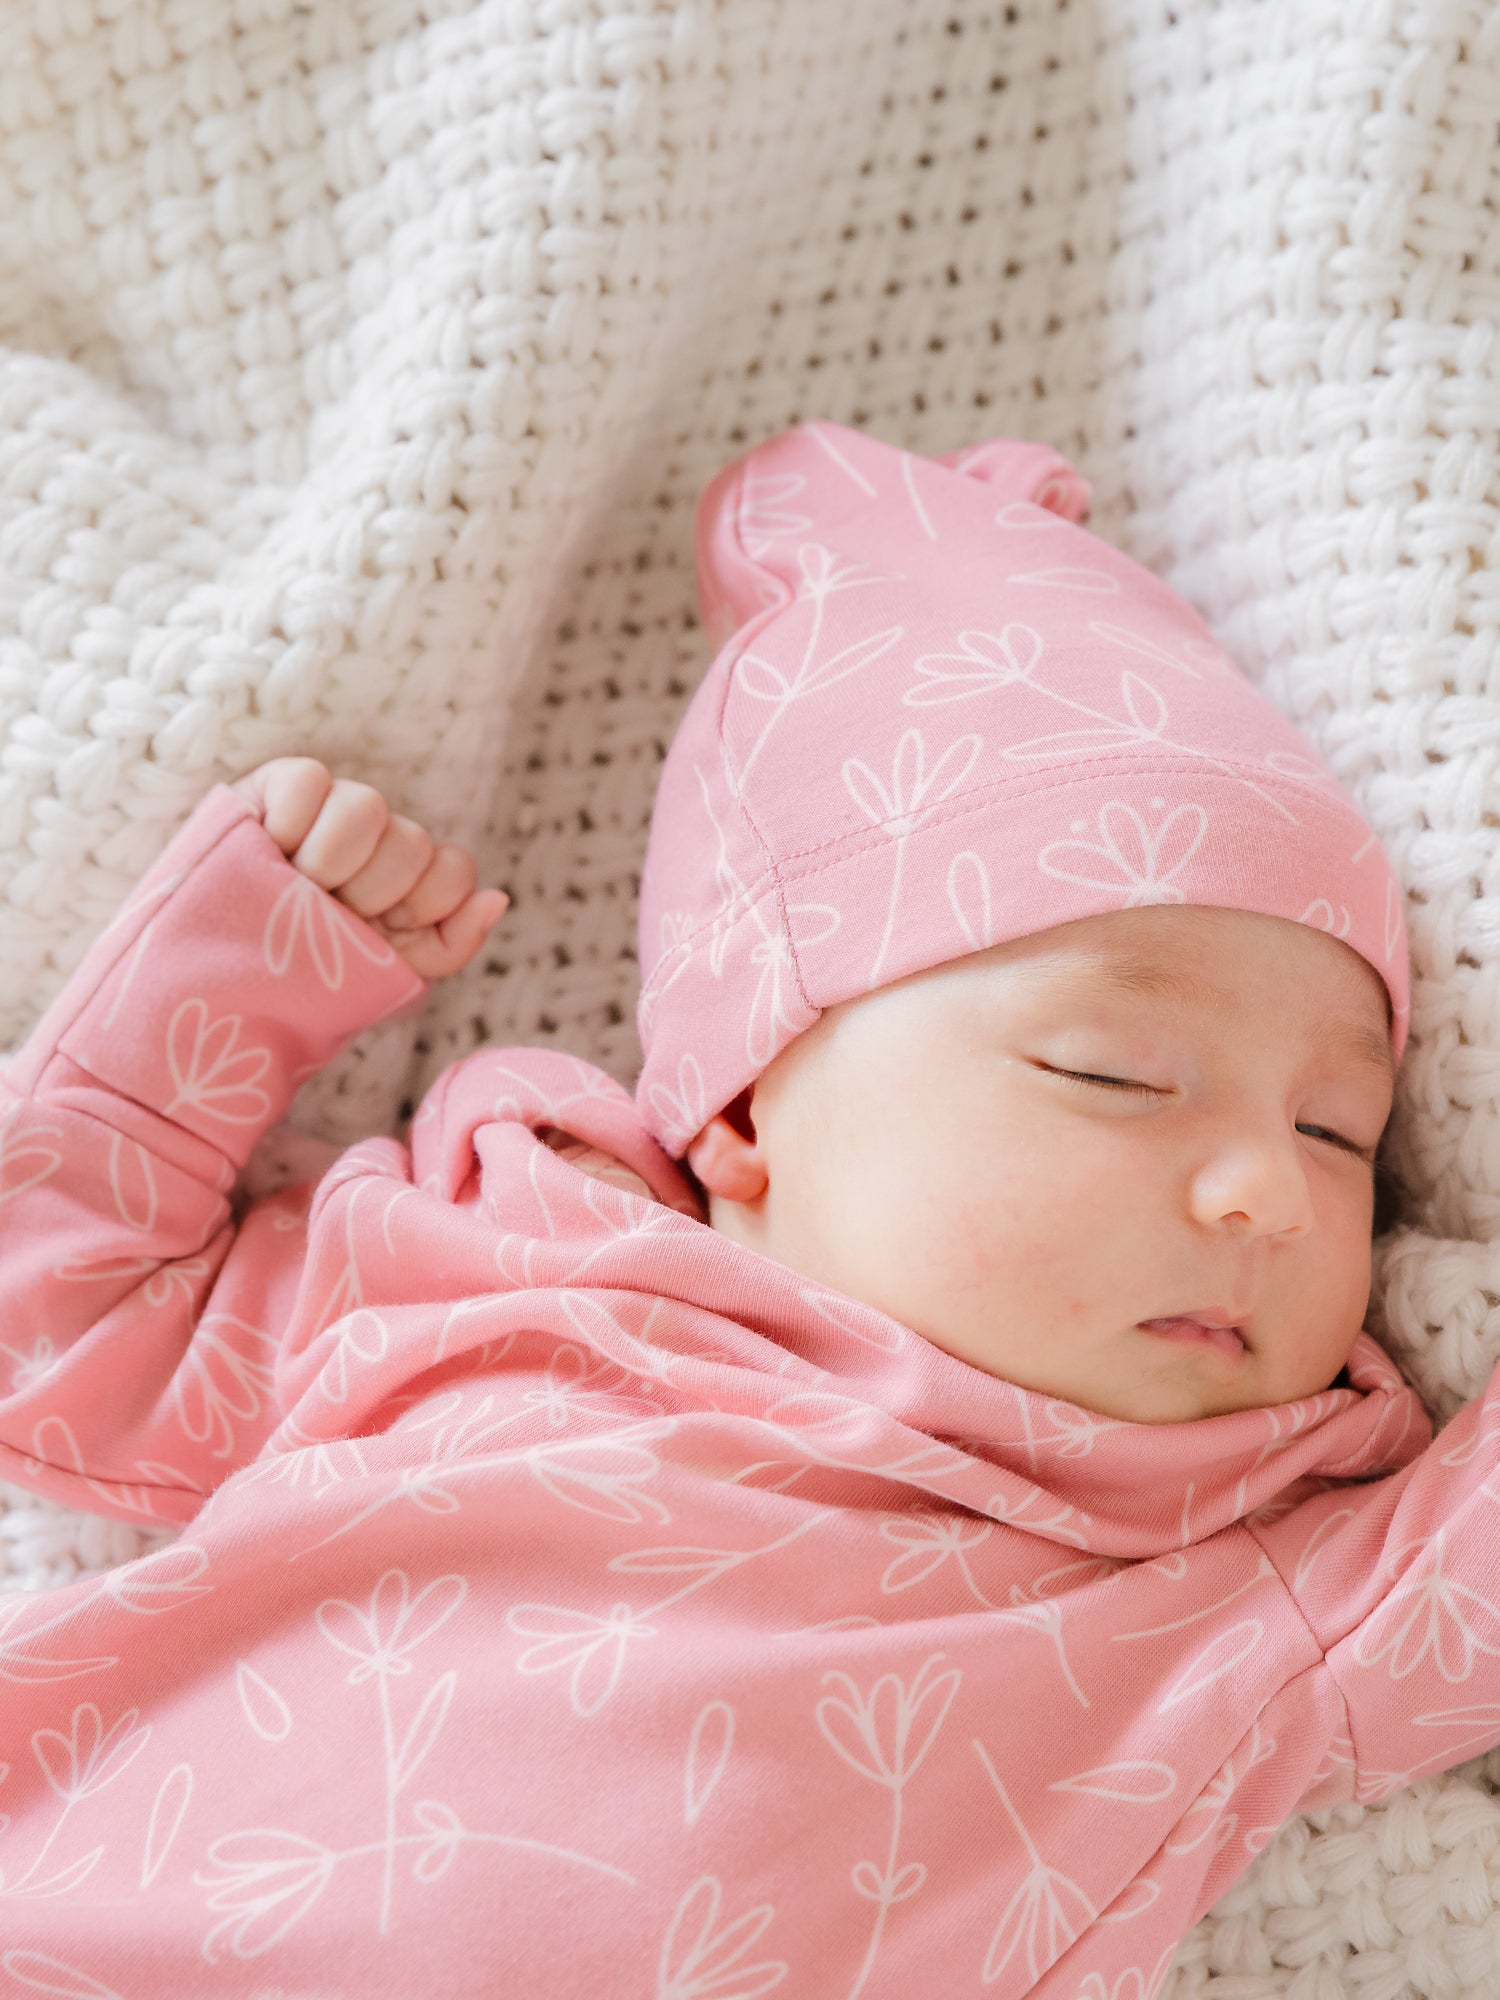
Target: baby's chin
x=1156, y=1372
x=1183, y=1404
x=1183, y=1387
x=1181, y=1396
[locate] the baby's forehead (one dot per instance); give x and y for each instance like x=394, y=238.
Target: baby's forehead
x=1194, y=958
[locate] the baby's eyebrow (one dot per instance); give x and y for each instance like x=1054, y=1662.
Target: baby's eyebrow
x=1367, y=1046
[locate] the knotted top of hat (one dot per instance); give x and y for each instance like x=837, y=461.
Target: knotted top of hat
x=944, y=715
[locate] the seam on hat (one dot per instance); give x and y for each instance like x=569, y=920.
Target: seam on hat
x=960, y=810
x=864, y=839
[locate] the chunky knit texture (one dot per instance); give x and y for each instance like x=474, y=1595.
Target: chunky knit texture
x=361, y=363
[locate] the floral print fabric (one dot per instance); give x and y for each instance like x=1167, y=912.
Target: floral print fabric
x=945, y=715
x=571, y=1602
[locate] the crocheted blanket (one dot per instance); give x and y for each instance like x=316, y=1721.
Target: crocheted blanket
x=360, y=363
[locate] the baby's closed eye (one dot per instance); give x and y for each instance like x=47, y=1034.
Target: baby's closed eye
x=1101, y=1080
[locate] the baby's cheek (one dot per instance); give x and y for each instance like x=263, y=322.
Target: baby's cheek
x=1067, y=1247
x=989, y=1239
x=901, y=1243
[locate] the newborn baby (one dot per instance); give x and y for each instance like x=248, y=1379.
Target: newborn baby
x=917, y=1147
x=1128, y=1162
x=902, y=1505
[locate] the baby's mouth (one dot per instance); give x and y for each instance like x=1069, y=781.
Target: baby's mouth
x=1211, y=1328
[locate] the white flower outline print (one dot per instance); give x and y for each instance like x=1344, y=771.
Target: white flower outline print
x=775, y=956
x=305, y=915
x=985, y=663
x=990, y=662
x=762, y=680
x=763, y=515
x=877, y=1735
x=1321, y=915
x=685, y=1109
x=701, y=1959
x=914, y=795
x=1047, y=1912
x=391, y=1623
x=214, y=1074
x=1128, y=855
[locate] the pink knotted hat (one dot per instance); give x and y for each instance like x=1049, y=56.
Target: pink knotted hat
x=943, y=716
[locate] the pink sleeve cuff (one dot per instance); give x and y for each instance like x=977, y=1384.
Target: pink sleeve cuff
x=225, y=981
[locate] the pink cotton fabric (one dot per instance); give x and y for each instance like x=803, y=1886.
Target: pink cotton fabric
x=575, y=1605
x=945, y=715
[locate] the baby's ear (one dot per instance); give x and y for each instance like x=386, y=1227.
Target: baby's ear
x=726, y=1153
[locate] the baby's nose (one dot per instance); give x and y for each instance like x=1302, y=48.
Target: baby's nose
x=1256, y=1185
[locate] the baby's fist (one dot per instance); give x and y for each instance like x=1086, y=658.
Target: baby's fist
x=343, y=836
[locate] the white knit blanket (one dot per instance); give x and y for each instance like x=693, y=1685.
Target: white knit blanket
x=362, y=359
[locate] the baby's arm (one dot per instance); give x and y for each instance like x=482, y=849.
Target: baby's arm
x=139, y=1323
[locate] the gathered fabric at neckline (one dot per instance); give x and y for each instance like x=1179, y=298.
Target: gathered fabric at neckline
x=852, y=1388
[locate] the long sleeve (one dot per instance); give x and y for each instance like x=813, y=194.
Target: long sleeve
x=139, y=1312
x=1399, y=1579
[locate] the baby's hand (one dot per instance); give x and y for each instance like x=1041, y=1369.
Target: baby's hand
x=343, y=836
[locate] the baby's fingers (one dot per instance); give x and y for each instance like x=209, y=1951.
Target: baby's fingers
x=445, y=884
x=436, y=950
x=288, y=793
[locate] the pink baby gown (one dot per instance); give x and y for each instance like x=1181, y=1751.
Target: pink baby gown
x=574, y=1605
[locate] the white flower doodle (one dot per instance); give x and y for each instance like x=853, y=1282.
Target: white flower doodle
x=985, y=663
x=775, y=957
x=211, y=1071
x=988, y=662
x=1128, y=856
x=391, y=1624
x=708, y=1753
x=76, y=1766
x=305, y=914
x=699, y=1961
x=884, y=1735
x=595, y=1646
x=913, y=795
x=228, y=1373
x=763, y=680
x=592, y=1646
x=683, y=1110
x=763, y=515
x=1429, y=1614
x=1046, y=1914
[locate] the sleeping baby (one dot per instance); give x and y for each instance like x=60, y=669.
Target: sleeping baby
x=901, y=1505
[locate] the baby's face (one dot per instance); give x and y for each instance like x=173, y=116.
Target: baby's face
x=1030, y=1154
